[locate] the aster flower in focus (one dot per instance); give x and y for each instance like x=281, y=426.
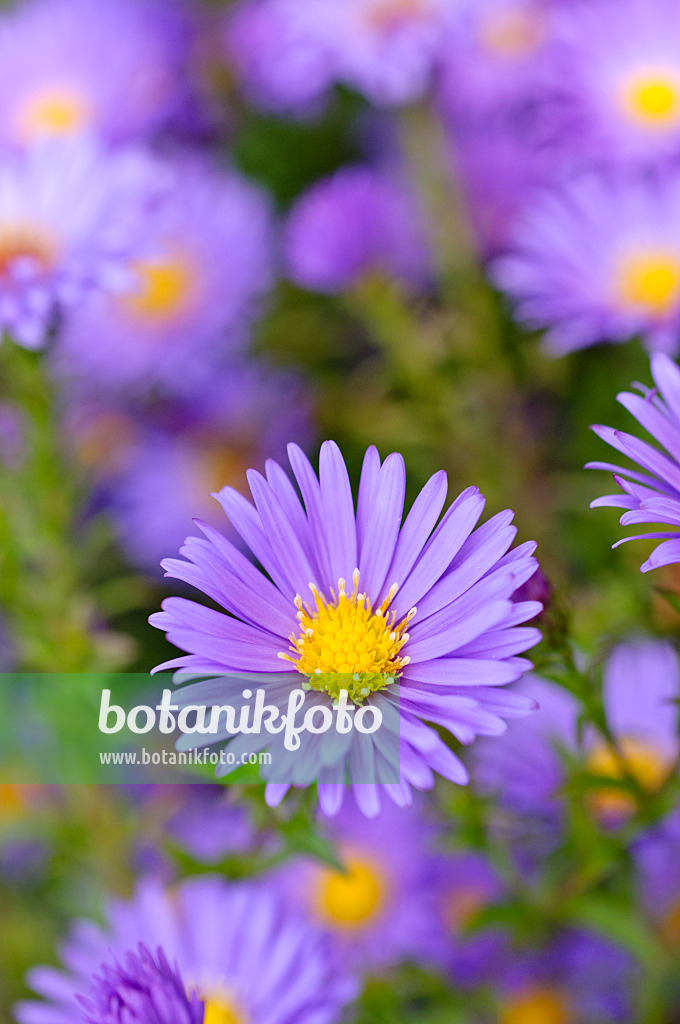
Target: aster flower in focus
x=653, y=495
x=382, y=907
x=247, y=959
x=619, y=73
x=196, y=280
x=288, y=52
x=155, y=472
x=598, y=260
x=357, y=222
x=69, y=223
x=641, y=684
x=112, y=68
x=140, y=990
x=416, y=620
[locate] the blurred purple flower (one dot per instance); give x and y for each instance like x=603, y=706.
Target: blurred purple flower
x=653, y=496
x=382, y=908
x=112, y=68
x=658, y=865
x=157, y=472
x=210, y=825
x=204, y=264
x=247, y=958
x=359, y=221
x=641, y=684
x=289, y=52
x=452, y=591
x=598, y=260
x=140, y=990
x=69, y=223
x=619, y=73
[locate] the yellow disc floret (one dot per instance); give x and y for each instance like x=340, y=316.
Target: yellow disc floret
x=53, y=112
x=344, y=645
x=536, y=1006
x=164, y=287
x=351, y=898
x=651, y=281
x=222, y=1008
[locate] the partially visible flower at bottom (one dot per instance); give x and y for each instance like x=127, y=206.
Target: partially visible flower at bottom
x=249, y=960
x=140, y=989
x=657, y=860
x=652, y=496
x=414, y=620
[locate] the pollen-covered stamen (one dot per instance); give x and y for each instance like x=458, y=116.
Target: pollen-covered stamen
x=344, y=645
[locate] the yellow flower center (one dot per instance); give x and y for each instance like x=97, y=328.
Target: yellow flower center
x=389, y=15
x=670, y=927
x=222, y=1008
x=652, y=99
x=651, y=281
x=55, y=111
x=20, y=241
x=223, y=465
x=13, y=800
x=637, y=759
x=536, y=1006
x=513, y=33
x=352, y=898
x=164, y=288
x=344, y=645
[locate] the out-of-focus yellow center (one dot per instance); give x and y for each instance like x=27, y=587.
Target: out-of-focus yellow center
x=640, y=760
x=535, y=1006
x=223, y=465
x=164, y=288
x=652, y=99
x=513, y=33
x=344, y=645
x=651, y=281
x=350, y=899
x=54, y=111
x=462, y=906
x=12, y=800
x=390, y=15
x=222, y=1008
x=670, y=927
x=21, y=241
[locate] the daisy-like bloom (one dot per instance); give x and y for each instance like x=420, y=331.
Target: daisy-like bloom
x=641, y=684
x=114, y=68
x=651, y=496
x=382, y=907
x=196, y=283
x=288, y=52
x=499, y=57
x=248, y=959
x=620, y=78
x=156, y=471
x=359, y=221
x=414, y=619
x=69, y=222
x=141, y=989
x=598, y=260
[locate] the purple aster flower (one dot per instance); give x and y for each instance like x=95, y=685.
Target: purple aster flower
x=382, y=907
x=140, y=990
x=69, y=221
x=155, y=472
x=288, y=52
x=619, y=73
x=658, y=866
x=651, y=496
x=641, y=684
x=196, y=281
x=114, y=68
x=357, y=222
x=598, y=260
x=425, y=628
x=247, y=958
